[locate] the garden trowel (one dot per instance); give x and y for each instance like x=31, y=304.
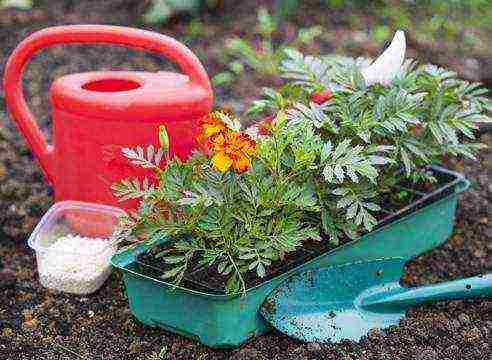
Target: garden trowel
x=346, y=301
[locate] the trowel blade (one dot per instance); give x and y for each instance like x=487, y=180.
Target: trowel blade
x=323, y=305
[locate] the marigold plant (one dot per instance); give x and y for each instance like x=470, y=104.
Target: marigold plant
x=319, y=174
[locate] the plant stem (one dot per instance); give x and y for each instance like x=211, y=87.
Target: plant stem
x=237, y=272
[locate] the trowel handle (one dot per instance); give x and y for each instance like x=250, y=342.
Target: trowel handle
x=467, y=288
x=86, y=34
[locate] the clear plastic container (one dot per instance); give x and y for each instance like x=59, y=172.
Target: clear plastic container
x=73, y=246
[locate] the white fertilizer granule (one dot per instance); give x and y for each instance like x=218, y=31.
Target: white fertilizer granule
x=75, y=264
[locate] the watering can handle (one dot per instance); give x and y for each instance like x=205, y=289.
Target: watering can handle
x=86, y=34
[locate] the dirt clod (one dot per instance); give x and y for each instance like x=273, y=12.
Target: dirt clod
x=7, y=280
x=313, y=347
x=245, y=354
x=427, y=354
x=472, y=335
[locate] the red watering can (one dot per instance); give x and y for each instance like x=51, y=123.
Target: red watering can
x=95, y=114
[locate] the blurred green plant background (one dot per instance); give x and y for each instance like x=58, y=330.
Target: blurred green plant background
x=461, y=21
x=445, y=30
x=242, y=43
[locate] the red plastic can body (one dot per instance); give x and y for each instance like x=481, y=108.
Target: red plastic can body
x=96, y=114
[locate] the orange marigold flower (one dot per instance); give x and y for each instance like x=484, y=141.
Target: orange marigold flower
x=247, y=144
x=219, y=141
x=231, y=148
x=210, y=125
x=241, y=164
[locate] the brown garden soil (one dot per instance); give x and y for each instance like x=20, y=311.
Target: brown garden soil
x=36, y=323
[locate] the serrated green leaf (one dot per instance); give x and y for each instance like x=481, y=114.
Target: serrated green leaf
x=340, y=191
x=260, y=270
x=247, y=256
x=328, y=173
x=173, y=272
x=371, y=206
x=174, y=259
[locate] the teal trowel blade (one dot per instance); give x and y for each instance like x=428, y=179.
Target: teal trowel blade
x=321, y=305
x=347, y=301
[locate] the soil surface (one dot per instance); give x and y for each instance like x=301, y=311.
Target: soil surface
x=36, y=323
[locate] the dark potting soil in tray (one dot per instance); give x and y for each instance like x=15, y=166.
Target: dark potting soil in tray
x=405, y=199
x=211, y=281
x=208, y=280
x=409, y=197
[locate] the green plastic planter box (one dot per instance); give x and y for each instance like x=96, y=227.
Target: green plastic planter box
x=228, y=321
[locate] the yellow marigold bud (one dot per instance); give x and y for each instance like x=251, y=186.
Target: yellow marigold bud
x=163, y=138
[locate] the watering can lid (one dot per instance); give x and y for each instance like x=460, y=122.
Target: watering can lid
x=130, y=96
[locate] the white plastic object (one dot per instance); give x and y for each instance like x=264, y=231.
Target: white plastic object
x=388, y=64
x=73, y=246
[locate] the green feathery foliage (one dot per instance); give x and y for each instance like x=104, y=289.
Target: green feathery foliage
x=264, y=58
x=237, y=223
x=425, y=112
x=319, y=174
